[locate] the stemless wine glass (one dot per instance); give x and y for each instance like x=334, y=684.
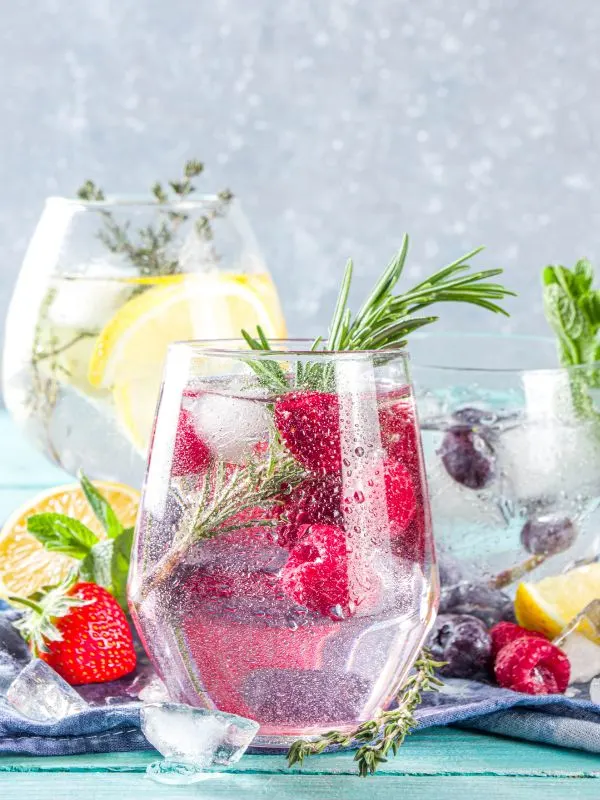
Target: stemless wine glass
x=283, y=566
x=104, y=288
x=512, y=449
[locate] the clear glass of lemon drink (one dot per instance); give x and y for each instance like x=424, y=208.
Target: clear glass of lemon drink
x=106, y=286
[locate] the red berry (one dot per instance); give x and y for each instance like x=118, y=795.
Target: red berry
x=309, y=425
x=191, y=455
x=316, y=499
x=400, y=494
x=399, y=429
x=316, y=573
x=533, y=666
x=96, y=644
x=504, y=633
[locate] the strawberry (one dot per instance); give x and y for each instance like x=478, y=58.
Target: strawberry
x=191, y=455
x=532, y=665
x=504, y=633
x=308, y=422
x=81, y=632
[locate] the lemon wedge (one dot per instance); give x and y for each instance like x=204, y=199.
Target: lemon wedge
x=550, y=604
x=130, y=351
x=25, y=565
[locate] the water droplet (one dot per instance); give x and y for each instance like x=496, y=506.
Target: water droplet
x=360, y=451
x=359, y=497
x=346, y=462
x=356, y=528
x=370, y=483
x=337, y=612
x=293, y=625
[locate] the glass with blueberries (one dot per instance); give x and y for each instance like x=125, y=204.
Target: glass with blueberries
x=512, y=453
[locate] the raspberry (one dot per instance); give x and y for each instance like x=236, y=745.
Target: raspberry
x=504, y=633
x=532, y=666
x=400, y=494
x=314, y=500
x=398, y=429
x=309, y=425
x=191, y=455
x=316, y=573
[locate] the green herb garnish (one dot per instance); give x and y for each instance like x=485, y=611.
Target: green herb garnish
x=386, y=731
x=386, y=319
x=148, y=248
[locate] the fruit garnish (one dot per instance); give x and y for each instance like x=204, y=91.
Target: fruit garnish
x=317, y=499
x=467, y=457
x=309, y=424
x=190, y=453
x=548, y=535
x=504, y=633
x=550, y=604
x=31, y=560
x=463, y=643
x=129, y=352
x=80, y=630
x=316, y=573
x=532, y=666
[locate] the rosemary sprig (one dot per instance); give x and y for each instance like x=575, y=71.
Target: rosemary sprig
x=148, y=248
x=386, y=319
x=386, y=731
x=221, y=498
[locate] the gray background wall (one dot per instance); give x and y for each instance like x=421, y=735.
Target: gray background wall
x=340, y=123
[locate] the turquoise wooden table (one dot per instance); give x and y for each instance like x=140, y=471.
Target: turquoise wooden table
x=439, y=763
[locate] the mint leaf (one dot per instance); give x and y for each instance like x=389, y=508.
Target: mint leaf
x=121, y=555
x=96, y=566
x=62, y=534
x=101, y=508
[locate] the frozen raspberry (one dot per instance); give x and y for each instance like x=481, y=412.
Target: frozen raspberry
x=533, y=666
x=309, y=425
x=191, y=455
x=506, y=632
x=316, y=573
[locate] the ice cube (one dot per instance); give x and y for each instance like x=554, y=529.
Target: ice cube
x=154, y=691
x=88, y=303
x=230, y=425
x=193, y=739
x=14, y=652
x=579, y=641
x=39, y=693
x=595, y=691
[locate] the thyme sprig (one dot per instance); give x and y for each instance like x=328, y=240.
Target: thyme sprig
x=386, y=731
x=386, y=319
x=148, y=249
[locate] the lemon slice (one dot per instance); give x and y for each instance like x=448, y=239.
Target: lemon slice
x=25, y=565
x=130, y=351
x=549, y=605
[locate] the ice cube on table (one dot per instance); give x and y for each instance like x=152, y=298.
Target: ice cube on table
x=193, y=739
x=39, y=693
x=14, y=652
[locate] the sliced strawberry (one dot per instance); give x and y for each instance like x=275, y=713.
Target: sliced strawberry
x=308, y=423
x=191, y=455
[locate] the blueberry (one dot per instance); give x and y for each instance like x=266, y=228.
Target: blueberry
x=468, y=457
x=477, y=600
x=473, y=416
x=548, y=535
x=464, y=643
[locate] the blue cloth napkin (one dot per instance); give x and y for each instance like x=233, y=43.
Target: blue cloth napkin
x=112, y=723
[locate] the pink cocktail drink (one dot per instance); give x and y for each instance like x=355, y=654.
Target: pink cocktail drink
x=283, y=567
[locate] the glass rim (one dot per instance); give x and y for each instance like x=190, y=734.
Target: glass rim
x=197, y=200
x=493, y=370
x=238, y=347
